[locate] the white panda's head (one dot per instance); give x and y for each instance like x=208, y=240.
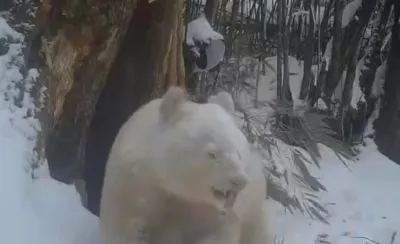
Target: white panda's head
x=204, y=153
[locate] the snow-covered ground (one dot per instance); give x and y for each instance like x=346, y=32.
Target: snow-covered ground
x=363, y=199
x=40, y=210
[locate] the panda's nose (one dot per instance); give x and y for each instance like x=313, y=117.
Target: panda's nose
x=238, y=182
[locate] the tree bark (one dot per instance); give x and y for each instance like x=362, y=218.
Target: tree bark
x=324, y=38
x=352, y=35
x=353, y=51
x=230, y=44
x=210, y=10
x=334, y=74
x=373, y=56
x=388, y=124
x=279, y=51
x=102, y=61
x=373, y=60
x=287, y=95
x=150, y=60
x=309, y=54
x=79, y=43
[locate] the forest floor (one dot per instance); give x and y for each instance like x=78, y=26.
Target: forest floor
x=363, y=199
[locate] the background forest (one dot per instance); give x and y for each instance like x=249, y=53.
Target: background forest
x=315, y=85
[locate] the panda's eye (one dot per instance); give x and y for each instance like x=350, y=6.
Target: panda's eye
x=212, y=154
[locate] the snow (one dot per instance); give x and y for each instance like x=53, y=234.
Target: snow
x=358, y=95
x=33, y=209
x=328, y=53
x=386, y=41
x=379, y=81
x=300, y=13
x=267, y=87
x=362, y=200
x=199, y=30
x=7, y=31
x=321, y=104
x=349, y=11
x=376, y=92
x=214, y=53
x=369, y=130
x=337, y=95
x=248, y=7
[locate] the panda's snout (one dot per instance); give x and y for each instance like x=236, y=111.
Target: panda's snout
x=238, y=182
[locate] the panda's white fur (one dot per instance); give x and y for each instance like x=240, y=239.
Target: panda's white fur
x=181, y=172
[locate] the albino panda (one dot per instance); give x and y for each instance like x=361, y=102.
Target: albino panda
x=182, y=173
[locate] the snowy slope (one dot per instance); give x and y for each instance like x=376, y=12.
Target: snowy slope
x=363, y=201
x=39, y=210
x=32, y=211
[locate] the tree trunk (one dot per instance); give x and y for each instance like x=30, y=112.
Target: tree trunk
x=279, y=51
x=309, y=54
x=373, y=56
x=210, y=10
x=102, y=60
x=287, y=95
x=373, y=60
x=388, y=124
x=316, y=91
x=334, y=74
x=232, y=29
x=324, y=38
x=346, y=113
x=352, y=35
x=352, y=54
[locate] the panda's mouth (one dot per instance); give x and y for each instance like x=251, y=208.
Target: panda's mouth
x=220, y=194
x=227, y=196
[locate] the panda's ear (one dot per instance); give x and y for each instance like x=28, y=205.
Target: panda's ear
x=171, y=101
x=224, y=100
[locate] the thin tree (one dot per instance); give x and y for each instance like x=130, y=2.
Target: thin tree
x=210, y=10
x=279, y=50
x=334, y=74
x=308, y=52
x=286, y=93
